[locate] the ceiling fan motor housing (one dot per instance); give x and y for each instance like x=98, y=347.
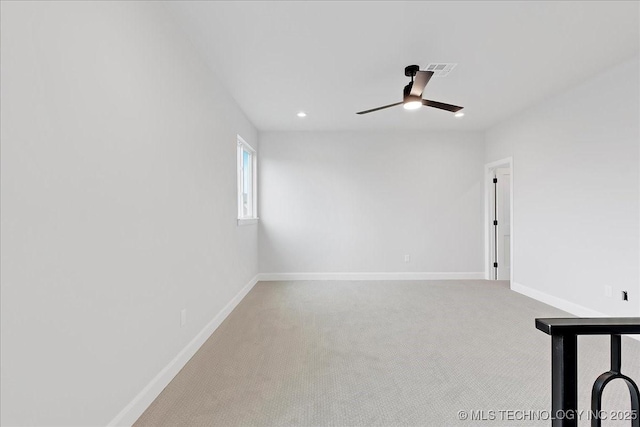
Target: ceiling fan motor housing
x=406, y=95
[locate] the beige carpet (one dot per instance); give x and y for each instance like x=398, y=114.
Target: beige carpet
x=368, y=353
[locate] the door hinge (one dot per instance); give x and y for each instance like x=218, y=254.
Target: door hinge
x=495, y=180
x=495, y=265
x=495, y=222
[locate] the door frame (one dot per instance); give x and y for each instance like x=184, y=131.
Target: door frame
x=488, y=218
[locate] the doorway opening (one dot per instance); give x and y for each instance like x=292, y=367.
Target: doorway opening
x=499, y=220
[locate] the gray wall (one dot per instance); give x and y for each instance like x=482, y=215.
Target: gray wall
x=118, y=205
x=360, y=201
x=576, y=184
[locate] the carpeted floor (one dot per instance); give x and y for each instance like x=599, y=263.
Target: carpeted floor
x=369, y=353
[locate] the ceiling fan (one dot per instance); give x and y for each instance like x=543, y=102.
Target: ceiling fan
x=412, y=96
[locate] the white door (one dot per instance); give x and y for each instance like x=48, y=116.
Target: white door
x=503, y=214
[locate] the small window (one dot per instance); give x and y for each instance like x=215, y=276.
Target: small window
x=247, y=197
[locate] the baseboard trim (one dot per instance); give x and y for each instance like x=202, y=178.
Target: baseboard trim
x=560, y=303
x=141, y=402
x=271, y=277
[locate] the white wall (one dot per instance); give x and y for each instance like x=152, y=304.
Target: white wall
x=576, y=186
x=118, y=205
x=359, y=201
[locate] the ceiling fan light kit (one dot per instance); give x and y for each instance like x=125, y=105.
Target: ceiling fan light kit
x=412, y=94
x=411, y=103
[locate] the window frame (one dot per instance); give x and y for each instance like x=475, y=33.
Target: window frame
x=252, y=195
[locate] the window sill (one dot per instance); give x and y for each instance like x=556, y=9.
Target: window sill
x=247, y=221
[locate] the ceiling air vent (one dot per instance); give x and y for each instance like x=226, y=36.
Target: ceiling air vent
x=440, y=69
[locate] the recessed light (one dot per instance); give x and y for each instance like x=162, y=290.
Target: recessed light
x=302, y=114
x=460, y=114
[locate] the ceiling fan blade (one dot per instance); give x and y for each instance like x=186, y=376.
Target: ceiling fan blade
x=441, y=105
x=420, y=81
x=379, y=108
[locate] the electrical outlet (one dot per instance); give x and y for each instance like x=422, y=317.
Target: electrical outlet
x=407, y=258
x=183, y=317
x=607, y=291
x=625, y=296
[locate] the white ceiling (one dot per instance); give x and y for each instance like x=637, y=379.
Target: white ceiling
x=332, y=59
